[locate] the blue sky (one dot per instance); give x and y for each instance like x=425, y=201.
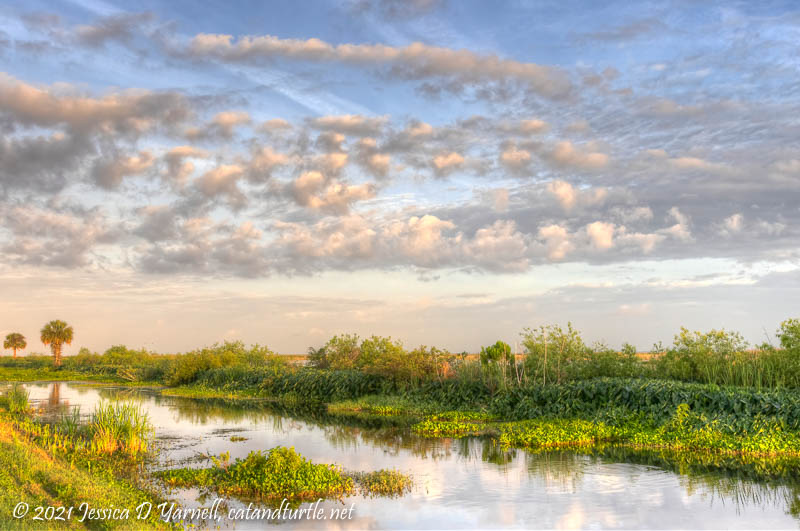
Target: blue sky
x=443, y=172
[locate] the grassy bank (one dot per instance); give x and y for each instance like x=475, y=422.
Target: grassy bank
x=32, y=475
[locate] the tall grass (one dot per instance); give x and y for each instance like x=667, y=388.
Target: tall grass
x=16, y=399
x=120, y=427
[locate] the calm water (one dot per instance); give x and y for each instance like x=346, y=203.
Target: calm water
x=460, y=483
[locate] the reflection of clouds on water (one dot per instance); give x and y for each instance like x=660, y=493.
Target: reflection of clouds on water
x=460, y=483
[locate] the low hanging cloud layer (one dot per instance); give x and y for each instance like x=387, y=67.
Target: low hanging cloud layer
x=405, y=147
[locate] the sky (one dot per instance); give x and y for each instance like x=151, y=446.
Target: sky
x=443, y=172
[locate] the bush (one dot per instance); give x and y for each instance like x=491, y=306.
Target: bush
x=342, y=352
x=789, y=335
x=187, y=368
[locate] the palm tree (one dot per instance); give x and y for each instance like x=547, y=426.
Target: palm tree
x=56, y=333
x=15, y=341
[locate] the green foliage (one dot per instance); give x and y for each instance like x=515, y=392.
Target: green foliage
x=120, y=427
x=498, y=353
x=317, y=357
x=342, y=352
x=789, y=335
x=685, y=430
x=383, y=482
x=189, y=367
x=15, y=341
x=555, y=433
x=723, y=358
x=380, y=356
x=56, y=333
x=448, y=428
x=313, y=385
x=628, y=349
x=551, y=352
x=32, y=475
x=279, y=473
x=587, y=398
x=15, y=400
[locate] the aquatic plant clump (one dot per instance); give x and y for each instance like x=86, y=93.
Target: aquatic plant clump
x=685, y=431
x=390, y=483
x=447, y=428
x=283, y=473
x=279, y=473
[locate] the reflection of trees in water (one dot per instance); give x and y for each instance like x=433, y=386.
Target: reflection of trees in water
x=557, y=468
x=54, y=398
x=742, y=481
x=745, y=482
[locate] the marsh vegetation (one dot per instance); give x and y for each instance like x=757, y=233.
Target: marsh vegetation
x=711, y=396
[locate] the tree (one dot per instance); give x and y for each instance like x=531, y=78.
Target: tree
x=15, y=341
x=56, y=333
x=789, y=334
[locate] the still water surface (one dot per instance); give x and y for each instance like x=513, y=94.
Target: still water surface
x=460, y=483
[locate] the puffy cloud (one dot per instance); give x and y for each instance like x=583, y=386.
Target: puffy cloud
x=159, y=223
x=446, y=163
x=371, y=159
x=179, y=169
x=499, y=247
x=633, y=214
x=500, y=199
x=263, y=162
x=313, y=190
x=423, y=239
x=601, y=234
x=419, y=129
x=331, y=141
x=734, y=223
x=331, y=163
x=275, y=124
x=222, y=125
x=222, y=181
x=566, y=154
x=351, y=124
x=557, y=241
x=645, y=241
x=514, y=159
x=132, y=112
x=416, y=61
x=109, y=172
x=41, y=163
x=339, y=240
x=54, y=238
x=564, y=192
x=532, y=126
x=680, y=230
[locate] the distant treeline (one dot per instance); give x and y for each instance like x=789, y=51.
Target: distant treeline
x=551, y=355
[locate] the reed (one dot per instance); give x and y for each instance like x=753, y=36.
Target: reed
x=119, y=426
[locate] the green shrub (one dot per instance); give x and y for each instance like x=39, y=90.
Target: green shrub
x=187, y=368
x=789, y=335
x=551, y=351
x=342, y=352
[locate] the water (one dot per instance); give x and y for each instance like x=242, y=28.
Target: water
x=460, y=483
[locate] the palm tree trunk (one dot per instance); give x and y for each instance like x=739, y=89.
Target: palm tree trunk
x=57, y=354
x=15, y=352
